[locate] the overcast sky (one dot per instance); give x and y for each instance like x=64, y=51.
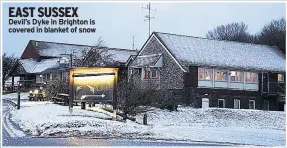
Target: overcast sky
x=117, y=23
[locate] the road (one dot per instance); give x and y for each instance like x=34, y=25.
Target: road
x=13, y=136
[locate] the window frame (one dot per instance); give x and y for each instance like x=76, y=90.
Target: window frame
x=282, y=76
x=223, y=103
x=236, y=79
x=204, y=76
x=268, y=102
x=150, y=71
x=238, y=103
x=221, y=72
x=253, y=104
x=256, y=74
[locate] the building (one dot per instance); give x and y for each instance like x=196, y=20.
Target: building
x=221, y=74
x=42, y=61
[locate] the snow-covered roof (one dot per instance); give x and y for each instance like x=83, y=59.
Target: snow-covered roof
x=33, y=66
x=146, y=60
x=121, y=55
x=54, y=49
x=190, y=50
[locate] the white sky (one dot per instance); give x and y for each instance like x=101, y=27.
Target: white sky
x=117, y=23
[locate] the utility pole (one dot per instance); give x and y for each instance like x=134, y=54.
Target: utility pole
x=133, y=42
x=148, y=17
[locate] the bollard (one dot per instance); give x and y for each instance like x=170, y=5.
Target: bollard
x=145, y=119
x=18, y=101
x=83, y=105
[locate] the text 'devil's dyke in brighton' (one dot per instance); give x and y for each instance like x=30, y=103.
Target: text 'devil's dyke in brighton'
x=48, y=20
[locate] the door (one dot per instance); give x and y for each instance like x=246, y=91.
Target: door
x=205, y=103
x=265, y=80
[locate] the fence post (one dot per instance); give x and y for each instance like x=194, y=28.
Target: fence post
x=18, y=100
x=83, y=105
x=145, y=119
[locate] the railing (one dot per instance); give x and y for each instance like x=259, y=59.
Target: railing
x=277, y=88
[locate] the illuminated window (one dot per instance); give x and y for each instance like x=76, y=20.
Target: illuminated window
x=220, y=75
x=204, y=74
x=251, y=77
x=151, y=73
x=236, y=76
x=280, y=78
x=251, y=104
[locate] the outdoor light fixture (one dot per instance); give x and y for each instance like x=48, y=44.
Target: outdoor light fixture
x=36, y=91
x=31, y=91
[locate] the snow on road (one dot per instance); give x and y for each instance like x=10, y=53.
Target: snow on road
x=251, y=127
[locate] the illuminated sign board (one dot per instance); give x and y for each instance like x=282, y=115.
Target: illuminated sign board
x=93, y=84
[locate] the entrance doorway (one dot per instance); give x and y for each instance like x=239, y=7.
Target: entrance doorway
x=205, y=103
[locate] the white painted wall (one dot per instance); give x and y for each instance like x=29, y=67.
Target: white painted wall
x=221, y=84
x=237, y=85
x=204, y=83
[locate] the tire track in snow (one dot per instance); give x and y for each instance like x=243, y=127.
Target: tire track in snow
x=8, y=126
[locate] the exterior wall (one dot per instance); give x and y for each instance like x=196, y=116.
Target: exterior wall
x=30, y=52
x=214, y=94
x=171, y=76
x=229, y=96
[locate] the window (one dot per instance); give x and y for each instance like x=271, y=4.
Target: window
x=48, y=77
x=236, y=104
x=220, y=75
x=266, y=105
x=204, y=74
x=151, y=73
x=236, y=76
x=221, y=103
x=280, y=78
x=251, y=77
x=251, y=104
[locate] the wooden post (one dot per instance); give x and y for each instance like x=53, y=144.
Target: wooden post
x=18, y=100
x=115, y=98
x=83, y=105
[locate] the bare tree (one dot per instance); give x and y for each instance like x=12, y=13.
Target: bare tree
x=274, y=34
x=8, y=66
x=231, y=32
x=98, y=56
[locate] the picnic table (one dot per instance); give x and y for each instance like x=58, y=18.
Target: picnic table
x=61, y=98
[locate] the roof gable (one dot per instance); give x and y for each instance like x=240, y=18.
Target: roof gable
x=153, y=35
x=34, y=66
x=205, y=52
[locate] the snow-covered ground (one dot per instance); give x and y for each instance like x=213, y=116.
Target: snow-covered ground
x=251, y=127
x=255, y=127
x=13, y=96
x=48, y=119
